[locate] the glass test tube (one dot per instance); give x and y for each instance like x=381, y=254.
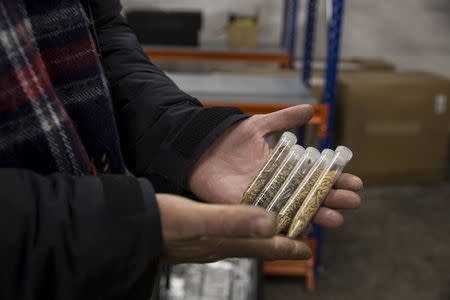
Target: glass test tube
x=299, y=172
x=287, y=213
x=287, y=140
x=320, y=191
x=279, y=176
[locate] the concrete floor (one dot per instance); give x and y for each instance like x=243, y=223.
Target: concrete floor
x=397, y=246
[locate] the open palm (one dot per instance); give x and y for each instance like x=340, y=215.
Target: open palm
x=226, y=169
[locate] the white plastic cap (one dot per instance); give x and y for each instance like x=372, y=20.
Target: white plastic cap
x=327, y=152
x=345, y=153
x=297, y=150
x=313, y=152
x=289, y=138
x=326, y=156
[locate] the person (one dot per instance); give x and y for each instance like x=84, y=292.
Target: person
x=79, y=101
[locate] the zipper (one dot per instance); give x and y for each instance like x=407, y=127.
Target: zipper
x=88, y=9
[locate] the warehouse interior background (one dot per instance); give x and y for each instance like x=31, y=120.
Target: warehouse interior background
x=397, y=245
x=413, y=34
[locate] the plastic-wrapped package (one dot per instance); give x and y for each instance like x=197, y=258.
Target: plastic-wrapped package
x=243, y=279
x=227, y=279
x=279, y=176
x=320, y=191
x=281, y=150
x=291, y=183
x=287, y=213
x=194, y=276
x=218, y=280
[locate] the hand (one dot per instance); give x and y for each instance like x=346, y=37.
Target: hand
x=197, y=233
x=225, y=170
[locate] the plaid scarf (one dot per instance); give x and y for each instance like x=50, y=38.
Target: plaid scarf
x=55, y=107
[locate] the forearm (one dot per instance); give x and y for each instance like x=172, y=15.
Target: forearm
x=77, y=237
x=163, y=130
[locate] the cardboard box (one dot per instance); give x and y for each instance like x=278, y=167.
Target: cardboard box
x=318, y=68
x=397, y=124
x=243, y=33
x=373, y=64
x=347, y=66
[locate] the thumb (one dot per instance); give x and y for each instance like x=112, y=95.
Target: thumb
x=235, y=221
x=183, y=219
x=286, y=119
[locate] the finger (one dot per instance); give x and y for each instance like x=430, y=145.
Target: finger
x=349, y=182
x=235, y=221
x=278, y=247
x=342, y=199
x=304, y=235
x=328, y=218
x=285, y=119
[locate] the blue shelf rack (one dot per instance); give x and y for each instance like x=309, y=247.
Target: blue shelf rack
x=335, y=15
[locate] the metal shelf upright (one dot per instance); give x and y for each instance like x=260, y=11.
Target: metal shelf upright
x=289, y=33
x=335, y=9
x=335, y=14
x=308, y=48
x=335, y=22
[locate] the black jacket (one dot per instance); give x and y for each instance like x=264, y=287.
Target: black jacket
x=66, y=237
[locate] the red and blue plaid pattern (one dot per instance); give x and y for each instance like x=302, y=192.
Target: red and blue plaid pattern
x=55, y=107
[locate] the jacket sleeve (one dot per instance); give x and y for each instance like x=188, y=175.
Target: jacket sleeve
x=65, y=237
x=163, y=130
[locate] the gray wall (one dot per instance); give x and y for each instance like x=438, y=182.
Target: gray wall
x=414, y=34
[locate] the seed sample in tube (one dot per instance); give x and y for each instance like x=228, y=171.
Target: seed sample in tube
x=279, y=153
x=299, y=172
x=279, y=176
x=320, y=191
x=287, y=213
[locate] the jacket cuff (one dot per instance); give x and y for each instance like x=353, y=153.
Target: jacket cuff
x=127, y=253
x=170, y=168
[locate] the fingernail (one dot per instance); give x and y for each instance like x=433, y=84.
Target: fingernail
x=263, y=227
x=311, y=110
x=305, y=255
x=358, y=182
x=302, y=251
